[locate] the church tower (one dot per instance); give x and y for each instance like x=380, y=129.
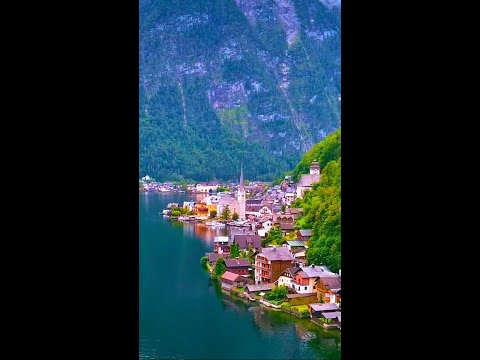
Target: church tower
x=241, y=196
x=315, y=168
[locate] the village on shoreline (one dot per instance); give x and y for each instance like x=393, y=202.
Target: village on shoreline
x=264, y=258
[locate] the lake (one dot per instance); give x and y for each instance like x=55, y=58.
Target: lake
x=183, y=315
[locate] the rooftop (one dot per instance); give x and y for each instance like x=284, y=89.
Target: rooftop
x=323, y=307
x=277, y=253
x=231, y=263
x=305, y=232
x=296, y=243
x=227, y=275
x=261, y=287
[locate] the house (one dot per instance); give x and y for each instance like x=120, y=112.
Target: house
x=221, y=244
x=201, y=210
x=255, y=289
x=306, y=280
x=244, y=240
x=231, y=202
x=238, y=266
x=212, y=258
x=295, y=246
x=329, y=289
x=279, y=218
x=253, y=210
x=307, y=180
x=331, y=319
x=265, y=210
x=304, y=234
x=295, y=212
x=270, y=263
x=207, y=187
x=189, y=205
x=289, y=197
x=230, y=280
x=287, y=277
x=266, y=223
x=286, y=228
x=316, y=309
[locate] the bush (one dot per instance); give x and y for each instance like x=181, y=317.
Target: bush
x=235, y=216
x=213, y=214
x=176, y=213
x=285, y=305
x=204, y=261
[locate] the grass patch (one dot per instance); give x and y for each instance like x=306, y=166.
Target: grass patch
x=299, y=308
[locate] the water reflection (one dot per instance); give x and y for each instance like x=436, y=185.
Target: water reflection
x=203, y=232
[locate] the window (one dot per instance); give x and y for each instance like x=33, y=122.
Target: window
x=314, y=287
x=305, y=288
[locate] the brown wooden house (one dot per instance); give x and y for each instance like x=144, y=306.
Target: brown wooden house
x=304, y=234
x=230, y=280
x=238, y=266
x=329, y=288
x=270, y=263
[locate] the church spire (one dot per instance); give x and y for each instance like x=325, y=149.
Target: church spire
x=241, y=178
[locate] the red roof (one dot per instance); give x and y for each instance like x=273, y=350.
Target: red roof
x=227, y=275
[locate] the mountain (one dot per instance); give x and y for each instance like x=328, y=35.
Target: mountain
x=223, y=82
x=322, y=205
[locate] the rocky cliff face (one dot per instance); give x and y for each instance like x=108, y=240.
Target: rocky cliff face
x=265, y=74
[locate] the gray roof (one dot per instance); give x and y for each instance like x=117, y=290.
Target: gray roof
x=261, y=287
x=305, y=232
x=244, y=240
x=237, y=263
x=215, y=256
x=227, y=200
x=314, y=271
x=287, y=226
x=323, y=307
x=277, y=253
x=333, y=282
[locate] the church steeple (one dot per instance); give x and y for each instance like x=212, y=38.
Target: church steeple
x=241, y=178
x=241, y=195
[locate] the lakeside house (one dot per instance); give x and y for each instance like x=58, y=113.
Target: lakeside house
x=221, y=244
x=329, y=288
x=270, y=263
x=307, y=278
x=244, y=240
x=212, y=258
x=326, y=315
x=238, y=266
x=207, y=187
x=256, y=289
x=229, y=280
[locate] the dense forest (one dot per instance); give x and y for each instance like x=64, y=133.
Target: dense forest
x=322, y=209
x=228, y=81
